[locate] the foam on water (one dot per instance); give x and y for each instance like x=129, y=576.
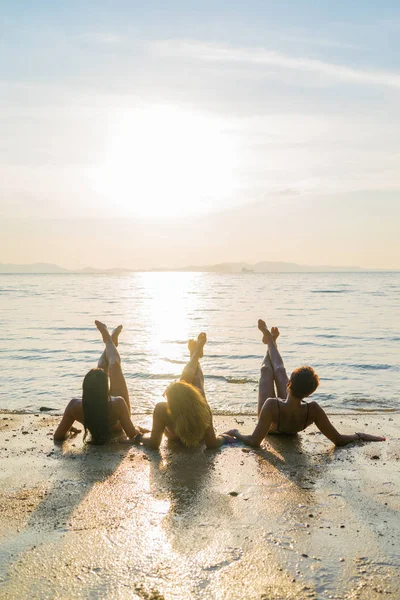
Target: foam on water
x=345, y=325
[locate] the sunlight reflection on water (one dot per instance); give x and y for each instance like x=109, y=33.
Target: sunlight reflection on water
x=338, y=323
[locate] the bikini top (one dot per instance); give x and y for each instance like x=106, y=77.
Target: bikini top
x=279, y=418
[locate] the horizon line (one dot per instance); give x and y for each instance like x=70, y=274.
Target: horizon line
x=241, y=268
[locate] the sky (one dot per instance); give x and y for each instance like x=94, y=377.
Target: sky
x=156, y=134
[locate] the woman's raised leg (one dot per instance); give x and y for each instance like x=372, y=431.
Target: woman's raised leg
x=266, y=382
x=118, y=385
x=192, y=372
x=279, y=371
x=103, y=362
x=198, y=380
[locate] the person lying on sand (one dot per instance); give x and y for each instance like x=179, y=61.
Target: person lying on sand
x=103, y=410
x=291, y=415
x=185, y=416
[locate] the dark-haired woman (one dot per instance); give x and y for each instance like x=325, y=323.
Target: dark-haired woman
x=103, y=410
x=293, y=414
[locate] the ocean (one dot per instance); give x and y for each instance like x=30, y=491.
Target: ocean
x=345, y=325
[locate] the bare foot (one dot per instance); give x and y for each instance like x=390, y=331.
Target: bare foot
x=275, y=333
x=198, y=345
x=262, y=326
x=115, y=334
x=105, y=334
x=192, y=345
x=201, y=340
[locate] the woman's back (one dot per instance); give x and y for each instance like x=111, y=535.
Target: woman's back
x=289, y=419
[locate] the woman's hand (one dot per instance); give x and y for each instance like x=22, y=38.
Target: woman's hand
x=142, y=429
x=232, y=433
x=366, y=437
x=228, y=439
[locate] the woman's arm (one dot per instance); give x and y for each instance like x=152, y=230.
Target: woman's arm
x=159, y=424
x=213, y=441
x=262, y=427
x=339, y=439
x=66, y=422
x=125, y=419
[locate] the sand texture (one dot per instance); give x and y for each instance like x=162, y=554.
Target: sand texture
x=295, y=519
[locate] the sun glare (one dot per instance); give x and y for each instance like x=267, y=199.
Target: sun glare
x=169, y=314
x=166, y=162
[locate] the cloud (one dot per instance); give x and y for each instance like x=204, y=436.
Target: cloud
x=258, y=56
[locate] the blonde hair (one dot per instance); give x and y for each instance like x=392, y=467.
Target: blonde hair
x=190, y=413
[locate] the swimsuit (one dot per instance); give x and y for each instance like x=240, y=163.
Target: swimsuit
x=279, y=418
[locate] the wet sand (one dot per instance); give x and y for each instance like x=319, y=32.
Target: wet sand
x=296, y=519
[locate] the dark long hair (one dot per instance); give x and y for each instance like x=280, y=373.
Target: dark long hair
x=95, y=406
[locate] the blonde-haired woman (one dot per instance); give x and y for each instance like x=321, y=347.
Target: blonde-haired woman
x=186, y=415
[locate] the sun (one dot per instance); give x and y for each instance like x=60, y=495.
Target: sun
x=162, y=161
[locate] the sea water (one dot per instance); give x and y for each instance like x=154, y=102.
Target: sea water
x=347, y=326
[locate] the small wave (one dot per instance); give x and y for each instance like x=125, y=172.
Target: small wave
x=239, y=380
x=32, y=327
x=374, y=410
x=359, y=366
x=175, y=362
x=235, y=356
x=326, y=396
x=21, y=356
x=180, y=342
x=378, y=367
x=354, y=400
x=173, y=376
x=330, y=291
x=31, y=411
x=231, y=379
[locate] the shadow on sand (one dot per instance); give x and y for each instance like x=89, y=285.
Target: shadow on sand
x=78, y=471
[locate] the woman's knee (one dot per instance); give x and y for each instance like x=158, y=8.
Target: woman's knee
x=115, y=362
x=115, y=371
x=266, y=372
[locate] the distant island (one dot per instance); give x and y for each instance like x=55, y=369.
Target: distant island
x=44, y=268
x=266, y=267
x=234, y=267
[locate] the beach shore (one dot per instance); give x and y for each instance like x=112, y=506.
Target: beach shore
x=294, y=519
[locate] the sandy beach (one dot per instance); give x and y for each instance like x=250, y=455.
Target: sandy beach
x=295, y=519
